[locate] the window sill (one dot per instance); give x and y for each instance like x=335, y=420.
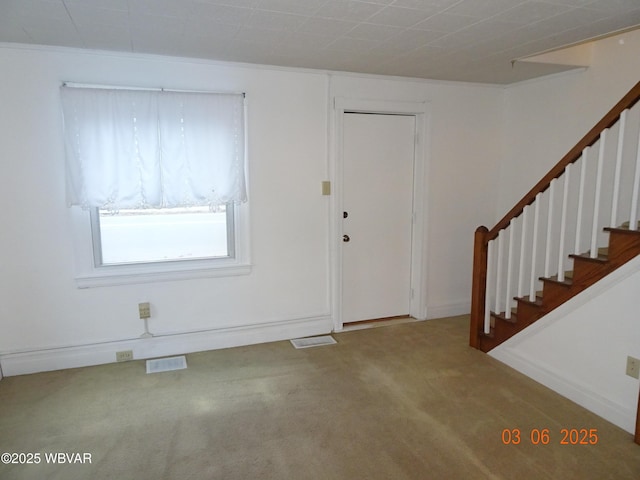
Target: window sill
x=135, y=274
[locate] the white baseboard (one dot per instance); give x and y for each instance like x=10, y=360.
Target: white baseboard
x=448, y=310
x=562, y=382
x=21, y=363
x=583, y=395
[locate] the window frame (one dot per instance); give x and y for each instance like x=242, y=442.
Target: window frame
x=88, y=274
x=98, y=257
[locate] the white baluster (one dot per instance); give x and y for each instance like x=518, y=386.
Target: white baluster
x=512, y=228
x=547, y=256
x=633, y=217
x=596, y=203
x=525, y=214
x=583, y=169
x=487, y=293
x=499, y=272
x=616, y=176
x=534, y=248
x=563, y=223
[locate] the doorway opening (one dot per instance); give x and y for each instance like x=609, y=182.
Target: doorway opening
x=379, y=210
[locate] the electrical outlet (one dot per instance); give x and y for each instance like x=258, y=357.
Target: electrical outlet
x=144, y=309
x=124, y=356
x=633, y=367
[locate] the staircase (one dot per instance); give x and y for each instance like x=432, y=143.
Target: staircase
x=575, y=226
x=624, y=244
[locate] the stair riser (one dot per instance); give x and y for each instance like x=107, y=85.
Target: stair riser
x=528, y=312
x=553, y=295
x=586, y=271
x=623, y=246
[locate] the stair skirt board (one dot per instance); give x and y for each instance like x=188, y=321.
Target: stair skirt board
x=621, y=274
x=313, y=341
x=556, y=379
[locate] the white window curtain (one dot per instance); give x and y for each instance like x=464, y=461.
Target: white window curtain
x=153, y=149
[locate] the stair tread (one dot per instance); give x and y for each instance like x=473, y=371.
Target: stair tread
x=586, y=256
x=554, y=279
x=625, y=226
x=527, y=300
x=624, y=230
x=503, y=316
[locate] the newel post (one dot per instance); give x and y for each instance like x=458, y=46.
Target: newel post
x=479, y=284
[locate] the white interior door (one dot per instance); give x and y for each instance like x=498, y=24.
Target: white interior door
x=378, y=169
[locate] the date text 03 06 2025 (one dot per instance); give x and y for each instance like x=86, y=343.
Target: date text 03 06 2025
x=543, y=436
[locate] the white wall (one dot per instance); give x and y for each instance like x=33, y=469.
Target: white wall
x=465, y=145
x=580, y=349
x=288, y=292
x=41, y=307
x=545, y=118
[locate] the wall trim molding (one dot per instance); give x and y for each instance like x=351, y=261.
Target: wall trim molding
x=419, y=235
x=581, y=394
x=449, y=310
x=584, y=395
x=245, y=65
x=48, y=359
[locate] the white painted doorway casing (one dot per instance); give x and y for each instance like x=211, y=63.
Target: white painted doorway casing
x=418, y=277
x=377, y=196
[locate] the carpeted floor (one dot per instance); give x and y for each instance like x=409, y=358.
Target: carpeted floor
x=408, y=401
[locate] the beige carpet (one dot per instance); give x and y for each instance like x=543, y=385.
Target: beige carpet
x=408, y=401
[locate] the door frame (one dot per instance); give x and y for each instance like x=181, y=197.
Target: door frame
x=419, y=235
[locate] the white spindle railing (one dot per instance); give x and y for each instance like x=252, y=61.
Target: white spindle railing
x=583, y=173
x=487, y=301
x=547, y=256
x=508, y=299
x=593, y=251
x=563, y=223
x=633, y=215
x=499, y=272
x=616, y=176
x=534, y=249
x=520, y=238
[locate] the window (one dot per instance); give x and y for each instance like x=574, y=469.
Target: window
x=162, y=234
x=156, y=184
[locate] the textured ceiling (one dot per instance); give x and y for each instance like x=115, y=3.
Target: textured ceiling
x=465, y=40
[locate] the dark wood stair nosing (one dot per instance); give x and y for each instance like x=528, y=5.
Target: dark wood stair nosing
x=526, y=300
x=567, y=282
x=622, y=230
x=503, y=316
x=587, y=258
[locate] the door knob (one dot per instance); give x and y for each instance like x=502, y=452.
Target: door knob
x=345, y=214
x=345, y=238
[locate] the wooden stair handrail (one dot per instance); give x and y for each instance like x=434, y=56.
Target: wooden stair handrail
x=483, y=236
x=628, y=101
